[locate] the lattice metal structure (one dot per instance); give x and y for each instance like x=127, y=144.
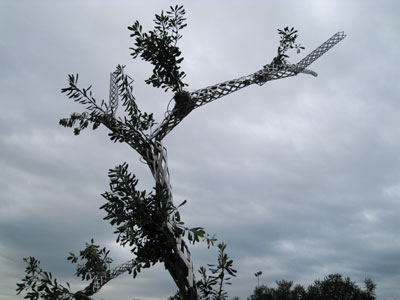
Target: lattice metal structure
x=157, y=158
x=113, y=99
x=115, y=272
x=180, y=265
x=317, y=53
x=186, y=102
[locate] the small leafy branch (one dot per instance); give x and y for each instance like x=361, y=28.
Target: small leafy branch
x=288, y=41
x=96, y=261
x=103, y=114
x=212, y=287
x=130, y=128
x=40, y=284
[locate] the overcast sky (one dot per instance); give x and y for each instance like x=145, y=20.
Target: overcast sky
x=300, y=177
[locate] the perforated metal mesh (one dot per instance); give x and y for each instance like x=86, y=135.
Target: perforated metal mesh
x=113, y=99
x=115, y=272
x=159, y=159
x=314, y=55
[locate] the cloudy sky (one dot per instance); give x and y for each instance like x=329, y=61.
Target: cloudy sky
x=300, y=177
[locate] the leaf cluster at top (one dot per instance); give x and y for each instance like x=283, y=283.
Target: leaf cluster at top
x=159, y=47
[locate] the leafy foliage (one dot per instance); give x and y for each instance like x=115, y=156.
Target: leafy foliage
x=159, y=47
x=211, y=287
x=129, y=128
x=96, y=261
x=40, y=284
x=333, y=287
x=140, y=217
x=97, y=114
x=288, y=41
x=194, y=234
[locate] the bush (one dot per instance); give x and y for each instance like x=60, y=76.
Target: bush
x=333, y=287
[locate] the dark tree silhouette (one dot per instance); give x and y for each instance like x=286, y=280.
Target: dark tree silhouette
x=333, y=287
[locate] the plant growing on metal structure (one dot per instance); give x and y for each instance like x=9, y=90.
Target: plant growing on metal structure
x=159, y=47
x=288, y=41
x=148, y=221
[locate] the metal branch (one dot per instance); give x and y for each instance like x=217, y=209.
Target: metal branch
x=268, y=73
x=179, y=263
x=185, y=102
x=101, y=280
x=317, y=53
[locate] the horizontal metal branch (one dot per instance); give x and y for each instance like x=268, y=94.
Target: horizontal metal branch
x=185, y=102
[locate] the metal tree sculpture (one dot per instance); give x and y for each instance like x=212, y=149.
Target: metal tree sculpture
x=186, y=102
x=149, y=222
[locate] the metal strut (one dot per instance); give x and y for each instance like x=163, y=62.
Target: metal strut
x=317, y=53
x=113, y=99
x=180, y=264
x=100, y=281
